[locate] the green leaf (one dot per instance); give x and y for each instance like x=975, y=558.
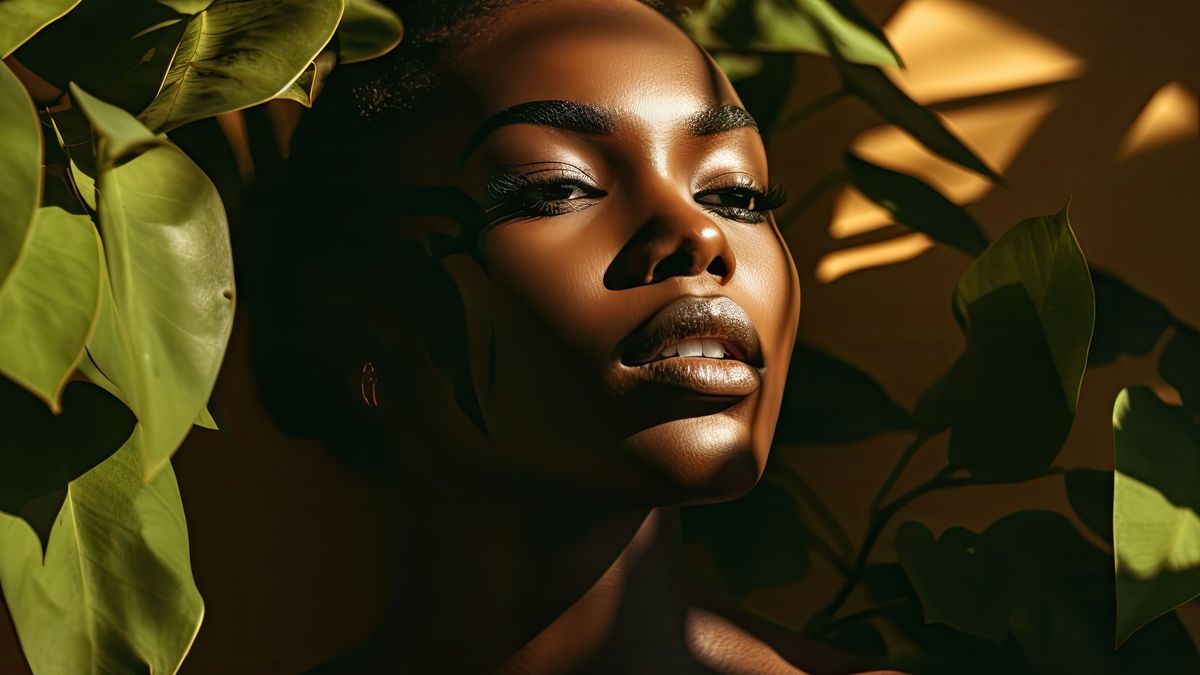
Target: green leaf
x=205, y=420
x=877, y=90
x=168, y=309
x=961, y=578
x=118, y=50
x=827, y=400
x=20, y=165
x=115, y=592
x=306, y=87
x=757, y=541
x=787, y=26
x=737, y=66
x=1156, y=528
x=1027, y=309
x=368, y=30
x=1091, y=495
x=915, y=204
x=22, y=19
x=1179, y=365
x=43, y=451
x=262, y=45
x=49, y=305
x=1127, y=321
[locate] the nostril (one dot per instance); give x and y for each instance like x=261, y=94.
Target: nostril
x=718, y=268
x=678, y=264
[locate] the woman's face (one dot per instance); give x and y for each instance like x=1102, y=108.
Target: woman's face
x=635, y=308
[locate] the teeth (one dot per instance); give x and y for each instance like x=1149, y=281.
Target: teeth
x=713, y=349
x=691, y=348
x=707, y=348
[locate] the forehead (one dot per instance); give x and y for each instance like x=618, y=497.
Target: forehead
x=618, y=54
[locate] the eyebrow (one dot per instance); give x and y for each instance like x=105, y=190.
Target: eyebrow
x=592, y=119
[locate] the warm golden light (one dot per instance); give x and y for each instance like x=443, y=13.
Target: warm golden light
x=956, y=49
x=841, y=263
x=1171, y=115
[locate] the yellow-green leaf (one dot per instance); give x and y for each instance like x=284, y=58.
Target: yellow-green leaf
x=1156, y=496
x=167, y=310
x=22, y=19
x=262, y=45
x=368, y=30
x=115, y=592
x=20, y=169
x=49, y=305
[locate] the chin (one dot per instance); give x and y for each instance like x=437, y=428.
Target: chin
x=699, y=460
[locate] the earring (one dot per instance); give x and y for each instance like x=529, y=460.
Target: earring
x=369, y=378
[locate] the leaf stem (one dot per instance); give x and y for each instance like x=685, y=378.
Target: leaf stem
x=812, y=108
x=790, y=478
x=896, y=472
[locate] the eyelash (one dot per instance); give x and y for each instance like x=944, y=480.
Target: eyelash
x=522, y=197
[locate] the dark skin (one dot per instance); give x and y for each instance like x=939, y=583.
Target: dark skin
x=547, y=541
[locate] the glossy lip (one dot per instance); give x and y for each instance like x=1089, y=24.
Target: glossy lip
x=714, y=317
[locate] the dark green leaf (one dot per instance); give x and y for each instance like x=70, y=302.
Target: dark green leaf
x=368, y=30
x=1179, y=365
x=1156, y=527
x=827, y=400
x=20, y=165
x=913, y=203
x=44, y=451
x=49, y=305
x=961, y=578
x=166, y=316
x=878, y=91
x=1127, y=322
x=789, y=26
x=22, y=19
x=765, y=93
x=263, y=45
x=1027, y=309
x=934, y=411
x=1091, y=495
x=114, y=593
x=757, y=541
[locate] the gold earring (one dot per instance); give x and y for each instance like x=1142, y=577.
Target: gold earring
x=369, y=378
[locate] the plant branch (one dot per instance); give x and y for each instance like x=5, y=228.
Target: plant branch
x=896, y=472
x=793, y=480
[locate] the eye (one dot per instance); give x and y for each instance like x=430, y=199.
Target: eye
x=560, y=192
x=540, y=193
x=738, y=198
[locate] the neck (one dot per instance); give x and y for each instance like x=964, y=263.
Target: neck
x=533, y=588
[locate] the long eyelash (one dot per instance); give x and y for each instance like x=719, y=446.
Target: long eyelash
x=775, y=197
x=506, y=189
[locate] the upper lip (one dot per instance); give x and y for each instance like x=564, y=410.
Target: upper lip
x=714, y=317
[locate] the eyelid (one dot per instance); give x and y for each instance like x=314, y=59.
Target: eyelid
x=732, y=179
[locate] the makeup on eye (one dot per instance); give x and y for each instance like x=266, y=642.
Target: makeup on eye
x=553, y=189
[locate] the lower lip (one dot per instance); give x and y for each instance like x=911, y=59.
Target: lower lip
x=714, y=377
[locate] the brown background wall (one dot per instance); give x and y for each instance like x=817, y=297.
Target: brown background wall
x=1088, y=99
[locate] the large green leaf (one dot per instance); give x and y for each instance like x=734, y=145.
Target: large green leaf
x=1027, y=309
x=878, y=91
x=1179, y=365
x=1127, y=321
x=1156, y=495
x=961, y=578
x=49, y=305
x=788, y=26
x=913, y=203
x=368, y=30
x=118, y=50
x=828, y=400
x=114, y=593
x=22, y=19
x=1091, y=495
x=44, y=451
x=261, y=45
x=20, y=169
x=166, y=319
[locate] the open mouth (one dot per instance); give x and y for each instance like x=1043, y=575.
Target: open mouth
x=705, y=345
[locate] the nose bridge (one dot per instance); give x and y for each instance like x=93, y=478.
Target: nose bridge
x=674, y=238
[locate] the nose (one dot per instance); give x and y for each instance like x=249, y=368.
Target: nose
x=680, y=241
